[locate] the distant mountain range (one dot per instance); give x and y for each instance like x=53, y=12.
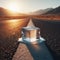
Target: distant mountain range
x=6, y=12
x=47, y=11
x=54, y=11
x=3, y=12
x=41, y=11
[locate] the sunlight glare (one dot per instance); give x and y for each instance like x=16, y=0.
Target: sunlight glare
x=14, y=7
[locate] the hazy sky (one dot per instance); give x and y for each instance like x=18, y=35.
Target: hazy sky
x=30, y=5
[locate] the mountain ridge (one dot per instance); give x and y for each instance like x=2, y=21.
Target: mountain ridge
x=47, y=11
x=41, y=11
x=54, y=11
x=6, y=12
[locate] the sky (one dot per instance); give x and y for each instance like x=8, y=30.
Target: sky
x=29, y=5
